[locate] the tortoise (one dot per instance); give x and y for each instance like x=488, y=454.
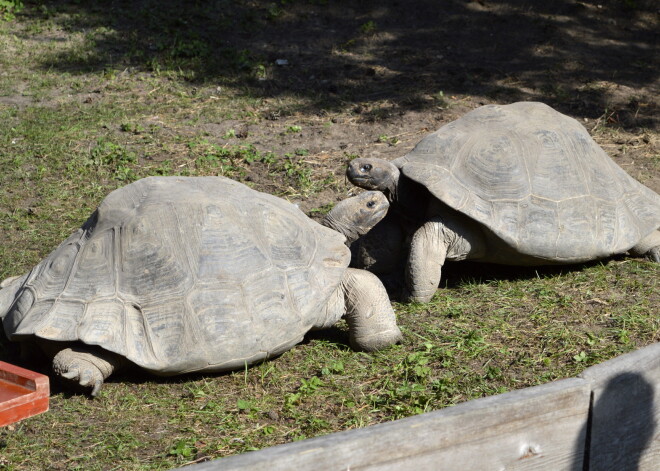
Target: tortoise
x=196, y=274
x=518, y=184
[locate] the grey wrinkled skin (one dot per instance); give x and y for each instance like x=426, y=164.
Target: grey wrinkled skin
x=518, y=184
x=182, y=274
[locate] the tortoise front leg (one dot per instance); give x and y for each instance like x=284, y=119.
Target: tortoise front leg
x=89, y=366
x=450, y=236
x=369, y=314
x=428, y=251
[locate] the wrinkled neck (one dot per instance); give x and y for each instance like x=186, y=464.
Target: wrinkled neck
x=391, y=189
x=350, y=231
x=392, y=193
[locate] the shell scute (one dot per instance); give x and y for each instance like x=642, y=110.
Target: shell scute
x=494, y=166
x=94, y=275
x=230, y=247
x=538, y=221
x=58, y=319
x=554, y=174
x=102, y=323
x=291, y=246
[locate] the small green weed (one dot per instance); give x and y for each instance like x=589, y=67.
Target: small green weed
x=115, y=158
x=274, y=11
x=389, y=140
x=183, y=449
x=368, y=28
x=243, y=405
x=336, y=367
x=322, y=210
x=294, y=168
x=9, y=8
x=293, y=129
x=441, y=100
x=580, y=357
x=132, y=128
x=231, y=161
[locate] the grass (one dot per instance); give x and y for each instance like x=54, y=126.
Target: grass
x=472, y=340
x=87, y=108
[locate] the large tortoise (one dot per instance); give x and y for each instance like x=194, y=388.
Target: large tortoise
x=518, y=184
x=183, y=274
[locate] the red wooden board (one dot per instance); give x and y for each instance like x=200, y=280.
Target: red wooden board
x=23, y=393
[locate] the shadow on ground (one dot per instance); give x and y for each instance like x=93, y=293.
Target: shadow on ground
x=621, y=425
x=576, y=56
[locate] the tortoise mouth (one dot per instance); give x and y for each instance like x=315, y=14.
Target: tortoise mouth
x=369, y=220
x=362, y=181
x=381, y=213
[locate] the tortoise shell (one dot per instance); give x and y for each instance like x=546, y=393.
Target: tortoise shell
x=182, y=274
x=535, y=179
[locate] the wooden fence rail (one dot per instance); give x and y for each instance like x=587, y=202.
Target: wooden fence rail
x=605, y=419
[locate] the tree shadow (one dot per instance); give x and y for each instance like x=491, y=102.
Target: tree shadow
x=621, y=425
x=410, y=55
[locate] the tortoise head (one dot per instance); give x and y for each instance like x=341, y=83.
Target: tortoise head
x=355, y=216
x=373, y=174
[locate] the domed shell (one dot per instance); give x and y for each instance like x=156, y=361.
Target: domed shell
x=537, y=180
x=184, y=274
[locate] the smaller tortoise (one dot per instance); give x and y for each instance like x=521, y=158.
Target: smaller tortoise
x=179, y=275
x=518, y=184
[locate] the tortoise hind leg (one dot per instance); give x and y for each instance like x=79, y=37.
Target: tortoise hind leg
x=653, y=254
x=89, y=366
x=649, y=247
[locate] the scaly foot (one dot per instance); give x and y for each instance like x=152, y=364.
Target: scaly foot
x=88, y=369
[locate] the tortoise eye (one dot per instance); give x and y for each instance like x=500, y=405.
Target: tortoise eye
x=365, y=168
x=371, y=204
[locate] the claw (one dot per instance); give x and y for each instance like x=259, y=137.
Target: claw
x=85, y=378
x=97, y=387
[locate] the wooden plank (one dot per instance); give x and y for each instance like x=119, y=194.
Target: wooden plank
x=542, y=427
x=625, y=412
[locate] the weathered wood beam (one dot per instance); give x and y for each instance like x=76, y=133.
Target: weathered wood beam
x=538, y=428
